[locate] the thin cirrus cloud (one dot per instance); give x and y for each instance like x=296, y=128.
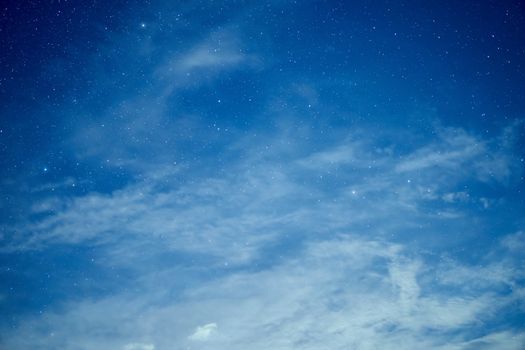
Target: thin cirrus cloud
x=288, y=235
x=257, y=200
x=139, y=346
x=338, y=292
x=143, y=122
x=202, y=333
x=252, y=203
x=220, y=51
x=348, y=281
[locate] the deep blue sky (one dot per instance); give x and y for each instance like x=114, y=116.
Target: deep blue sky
x=263, y=175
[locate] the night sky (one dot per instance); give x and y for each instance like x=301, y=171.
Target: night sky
x=233, y=175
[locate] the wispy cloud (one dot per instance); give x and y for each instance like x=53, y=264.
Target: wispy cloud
x=237, y=213
x=347, y=291
x=212, y=188
x=142, y=122
x=204, y=332
x=139, y=346
x=352, y=277
x=456, y=151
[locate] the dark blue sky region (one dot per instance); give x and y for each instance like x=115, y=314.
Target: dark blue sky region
x=262, y=175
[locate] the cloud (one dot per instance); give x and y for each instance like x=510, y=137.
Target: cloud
x=515, y=242
x=139, y=346
x=343, y=154
x=499, y=340
x=454, y=149
x=237, y=214
x=287, y=245
x=221, y=51
x=291, y=235
x=452, y=197
x=335, y=293
x=203, y=332
x=145, y=122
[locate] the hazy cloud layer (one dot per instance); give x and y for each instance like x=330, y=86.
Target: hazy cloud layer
x=276, y=227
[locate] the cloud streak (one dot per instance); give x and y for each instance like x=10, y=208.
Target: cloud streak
x=350, y=279
x=288, y=235
x=341, y=292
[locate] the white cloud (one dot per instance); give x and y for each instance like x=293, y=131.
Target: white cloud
x=403, y=275
x=141, y=123
x=337, y=293
x=452, y=197
x=458, y=154
x=454, y=149
x=139, y=346
x=343, y=154
x=256, y=200
x=288, y=243
x=221, y=51
x=515, y=242
x=206, y=56
x=203, y=332
x=504, y=340
x=358, y=274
